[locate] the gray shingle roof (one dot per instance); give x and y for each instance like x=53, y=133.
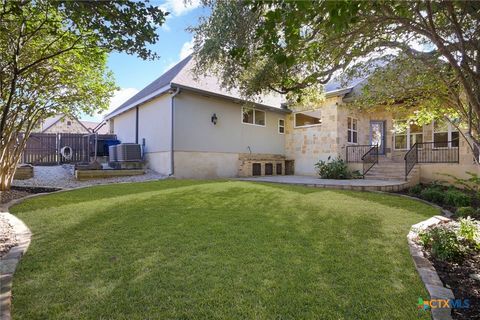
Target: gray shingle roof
x=181, y=75
x=162, y=81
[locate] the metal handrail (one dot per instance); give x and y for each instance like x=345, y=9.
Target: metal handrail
x=411, y=158
x=431, y=152
x=356, y=154
x=367, y=165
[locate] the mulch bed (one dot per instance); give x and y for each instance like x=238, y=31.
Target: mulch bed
x=21, y=192
x=458, y=278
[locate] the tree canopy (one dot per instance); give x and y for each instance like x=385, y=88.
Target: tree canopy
x=53, y=58
x=295, y=47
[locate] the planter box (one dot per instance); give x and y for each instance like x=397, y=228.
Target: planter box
x=100, y=174
x=24, y=172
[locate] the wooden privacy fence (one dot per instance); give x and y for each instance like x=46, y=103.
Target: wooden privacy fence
x=45, y=148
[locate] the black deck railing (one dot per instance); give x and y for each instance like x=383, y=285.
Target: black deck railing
x=369, y=159
x=431, y=152
x=411, y=159
x=356, y=152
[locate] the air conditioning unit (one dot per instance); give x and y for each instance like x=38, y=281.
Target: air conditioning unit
x=128, y=152
x=112, y=153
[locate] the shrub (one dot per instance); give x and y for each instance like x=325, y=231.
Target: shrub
x=335, y=169
x=470, y=231
x=443, y=243
x=456, y=198
x=464, y=212
x=434, y=195
x=415, y=190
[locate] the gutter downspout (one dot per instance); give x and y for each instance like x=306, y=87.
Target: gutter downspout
x=136, y=125
x=172, y=112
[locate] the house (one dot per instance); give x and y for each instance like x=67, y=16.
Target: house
x=190, y=127
x=63, y=123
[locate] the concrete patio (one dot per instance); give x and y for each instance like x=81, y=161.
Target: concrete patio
x=351, y=184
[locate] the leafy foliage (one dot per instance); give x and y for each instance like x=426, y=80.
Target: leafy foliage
x=443, y=243
x=469, y=229
x=457, y=198
x=434, y=195
x=415, y=190
x=464, y=212
x=53, y=57
x=333, y=169
x=294, y=46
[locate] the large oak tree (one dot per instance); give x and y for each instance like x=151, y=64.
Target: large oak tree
x=295, y=47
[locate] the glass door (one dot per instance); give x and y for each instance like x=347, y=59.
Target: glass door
x=377, y=135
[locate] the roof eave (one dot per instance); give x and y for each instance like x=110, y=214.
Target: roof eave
x=236, y=100
x=145, y=99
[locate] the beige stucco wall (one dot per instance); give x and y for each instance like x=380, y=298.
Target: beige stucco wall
x=154, y=124
x=159, y=161
x=194, y=130
x=124, y=126
x=201, y=165
x=439, y=172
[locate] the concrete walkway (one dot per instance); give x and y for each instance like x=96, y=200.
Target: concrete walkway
x=352, y=184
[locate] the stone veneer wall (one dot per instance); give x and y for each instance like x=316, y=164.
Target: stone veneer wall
x=309, y=144
x=246, y=160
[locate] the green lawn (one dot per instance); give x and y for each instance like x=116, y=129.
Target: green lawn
x=218, y=250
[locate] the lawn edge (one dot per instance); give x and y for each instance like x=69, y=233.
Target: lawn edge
x=9, y=262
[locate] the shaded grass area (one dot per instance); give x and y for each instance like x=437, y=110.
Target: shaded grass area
x=218, y=249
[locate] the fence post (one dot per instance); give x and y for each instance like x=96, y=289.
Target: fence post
x=57, y=148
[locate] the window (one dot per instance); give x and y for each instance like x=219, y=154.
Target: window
x=281, y=126
x=445, y=135
x=306, y=119
x=253, y=116
x=406, y=135
x=352, y=133
x=69, y=123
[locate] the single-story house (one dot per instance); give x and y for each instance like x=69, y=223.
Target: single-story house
x=65, y=123
x=191, y=127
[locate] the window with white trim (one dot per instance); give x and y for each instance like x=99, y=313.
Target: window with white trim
x=406, y=135
x=352, y=131
x=445, y=135
x=281, y=126
x=253, y=116
x=307, y=119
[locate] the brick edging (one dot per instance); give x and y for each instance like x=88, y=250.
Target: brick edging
x=9, y=262
x=426, y=270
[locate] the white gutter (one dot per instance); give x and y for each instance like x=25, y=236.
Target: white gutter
x=172, y=145
x=138, y=102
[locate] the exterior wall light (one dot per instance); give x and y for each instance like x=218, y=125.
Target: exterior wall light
x=214, y=119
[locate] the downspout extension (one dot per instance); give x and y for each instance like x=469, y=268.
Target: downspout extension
x=172, y=121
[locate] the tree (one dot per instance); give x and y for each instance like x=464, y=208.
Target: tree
x=294, y=46
x=53, y=59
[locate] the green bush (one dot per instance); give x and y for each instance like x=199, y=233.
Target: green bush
x=470, y=230
x=335, y=169
x=415, y=190
x=456, y=198
x=443, y=243
x=434, y=195
x=464, y=212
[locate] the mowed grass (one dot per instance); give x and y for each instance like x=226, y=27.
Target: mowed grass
x=218, y=250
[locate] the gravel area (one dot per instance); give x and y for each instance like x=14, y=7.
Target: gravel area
x=7, y=236
x=63, y=177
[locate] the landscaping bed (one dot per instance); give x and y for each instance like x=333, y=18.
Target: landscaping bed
x=21, y=192
x=454, y=247
x=7, y=236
